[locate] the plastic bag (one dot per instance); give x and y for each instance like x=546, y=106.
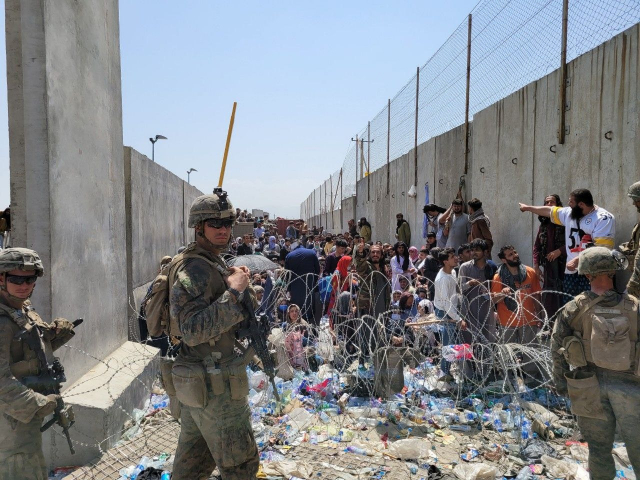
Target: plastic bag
x=300, y=418
x=409, y=448
x=457, y=352
x=475, y=471
x=557, y=468
x=534, y=448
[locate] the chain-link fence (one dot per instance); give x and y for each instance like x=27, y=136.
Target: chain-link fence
x=505, y=44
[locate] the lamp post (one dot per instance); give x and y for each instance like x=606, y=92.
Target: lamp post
x=189, y=174
x=153, y=145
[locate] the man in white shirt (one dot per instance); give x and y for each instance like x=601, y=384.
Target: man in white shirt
x=446, y=303
x=581, y=219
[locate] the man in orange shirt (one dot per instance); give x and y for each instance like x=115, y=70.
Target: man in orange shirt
x=515, y=291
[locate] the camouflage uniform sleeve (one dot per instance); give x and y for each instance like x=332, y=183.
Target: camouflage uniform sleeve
x=16, y=400
x=633, y=287
x=199, y=320
x=561, y=329
x=362, y=265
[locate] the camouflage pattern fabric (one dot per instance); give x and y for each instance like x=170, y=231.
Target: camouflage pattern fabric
x=370, y=278
x=20, y=259
x=210, y=206
x=219, y=434
x=596, y=260
x=619, y=393
x=20, y=438
x=633, y=287
x=565, y=327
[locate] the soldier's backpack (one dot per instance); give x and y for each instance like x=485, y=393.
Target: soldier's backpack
x=156, y=302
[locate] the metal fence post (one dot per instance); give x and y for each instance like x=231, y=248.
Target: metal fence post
x=466, y=102
x=341, y=209
x=388, y=140
x=415, y=142
x=563, y=73
x=368, y=161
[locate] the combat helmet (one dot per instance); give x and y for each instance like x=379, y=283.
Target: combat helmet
x=597, y=260
x=634, y=191
x=21, y=259
x=216, y=205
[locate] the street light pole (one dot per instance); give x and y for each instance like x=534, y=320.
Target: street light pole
x=153, y=145
x=189, y=174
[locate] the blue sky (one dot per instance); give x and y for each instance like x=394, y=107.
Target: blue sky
x=306, y=76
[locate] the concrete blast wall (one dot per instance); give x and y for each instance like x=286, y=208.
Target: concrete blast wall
x=157, y=212
x=514, y=156
x=67, y=172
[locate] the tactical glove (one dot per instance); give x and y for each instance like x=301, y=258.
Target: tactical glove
x=49, y=407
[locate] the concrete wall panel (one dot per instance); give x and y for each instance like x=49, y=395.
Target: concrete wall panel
x=65, y=106
x=602, y=97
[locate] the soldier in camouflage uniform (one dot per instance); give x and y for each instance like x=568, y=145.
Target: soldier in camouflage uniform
x=597, y=334
x=205, y=303
x=23, y=409
x=631, y=247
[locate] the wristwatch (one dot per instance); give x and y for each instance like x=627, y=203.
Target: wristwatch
x=235, y=293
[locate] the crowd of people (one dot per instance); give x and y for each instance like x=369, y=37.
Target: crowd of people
x=352, y=301
x=451, y=283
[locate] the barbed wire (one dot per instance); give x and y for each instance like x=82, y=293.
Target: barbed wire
x=513, y=43
x=396, y=387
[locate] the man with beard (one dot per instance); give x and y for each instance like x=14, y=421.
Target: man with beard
x=584, y=223
x=549, y=257
x=514, y=290
x=374, y=292
x=403, y=230
x=631, y=247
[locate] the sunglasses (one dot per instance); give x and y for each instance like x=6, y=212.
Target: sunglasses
x=20, y=280
x=219, y=223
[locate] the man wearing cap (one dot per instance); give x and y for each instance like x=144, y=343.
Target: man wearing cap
x=23, y=408
x=206, y=305
x=596, y=334
x=630, y=249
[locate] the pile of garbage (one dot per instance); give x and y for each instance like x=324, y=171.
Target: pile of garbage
x=525, y=435
x=428, y=430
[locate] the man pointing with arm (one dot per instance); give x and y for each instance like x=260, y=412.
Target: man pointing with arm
x=585, y=223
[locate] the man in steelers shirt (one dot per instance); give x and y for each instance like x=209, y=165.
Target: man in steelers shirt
x=585, y=223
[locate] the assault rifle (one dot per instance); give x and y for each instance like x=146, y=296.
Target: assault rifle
x=49, y=380
x=256, y=330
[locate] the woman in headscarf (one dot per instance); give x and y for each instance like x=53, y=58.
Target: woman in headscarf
x=272, y=248
x=401, y=264
x=297, y=339
x=414, y=254
x=341, y=280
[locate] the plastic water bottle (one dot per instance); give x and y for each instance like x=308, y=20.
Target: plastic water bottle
x=461, y=428
x=313, y=438
x=324, y=417
x=142, y=465
x=165, y=476
x=497, y=423
x=526, y=429
x=356, y=450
